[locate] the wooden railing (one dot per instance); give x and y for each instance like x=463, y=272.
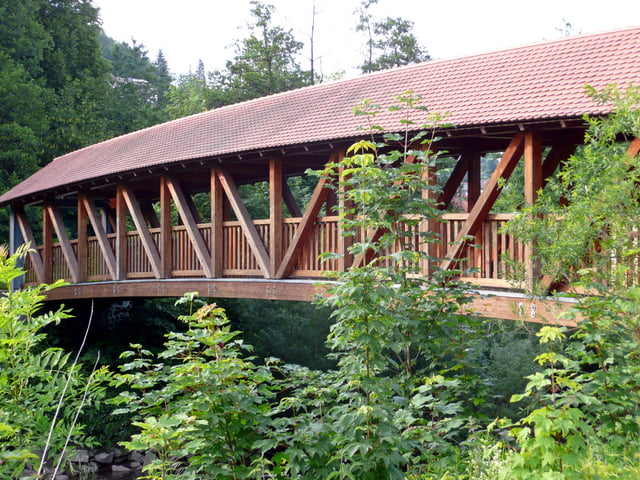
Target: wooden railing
x=488, y=258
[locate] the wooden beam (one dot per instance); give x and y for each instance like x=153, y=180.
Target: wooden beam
x=165, y=229
x=82, y=249
x=290, y=201
x=473, y=160
x=557, y=155
x=275, y=214
x=121, y=234
x=488, y=197
x=101, y=235
x=149, y=214
x=634, y=147
x=63, y=239
x=248, y=228
x=27, y=234
x=305, y=227
x=47, y=245
x=497, y=305
x=453, y=182
x=148, y=244
x=217, y=230
x=431, y=226
x=190, y=222
x=532, y=166
x=532, y=187
x=345, y=242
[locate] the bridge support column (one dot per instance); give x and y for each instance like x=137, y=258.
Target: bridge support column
x=165, y=229
x=16, y=239
x=532, y=185
x=275, y=215
x=217, y=219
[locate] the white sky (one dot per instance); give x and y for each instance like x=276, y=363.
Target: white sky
x=189, y=30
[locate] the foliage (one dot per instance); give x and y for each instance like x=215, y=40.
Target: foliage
x=198, y=397
x=587, y=392
x=265, y=62
x=399, y=337
x=41, y=389
x=587, y=236
x=139, y=88
x=391, y=39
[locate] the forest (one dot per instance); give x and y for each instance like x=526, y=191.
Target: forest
x=386, y=377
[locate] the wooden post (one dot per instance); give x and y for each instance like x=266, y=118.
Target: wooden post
x=47, y=245
x=472, y=159
x=165, y=229
x=217, y=227
x=275, y=214
x=83, y=246
x=345, y=241
x=16, y=239
x=121, y=234
x=432, y=226
x=532, y=185
x=27, y=235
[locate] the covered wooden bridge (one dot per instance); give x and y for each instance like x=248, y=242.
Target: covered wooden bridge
x=125, y=217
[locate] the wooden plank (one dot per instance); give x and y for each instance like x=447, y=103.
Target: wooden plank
x=191, y=224
x=248, y=228
x=101, y=234
x=488, y=197
x=47, y=246
x=121, y=234
x=497, y=305
x=27, y=234
x=149, y=246
x=290, y=201
x=165, y=229
x=83, y=245
x=217, y=224
x=306, y=224
x=275, y=214
x=63, y=238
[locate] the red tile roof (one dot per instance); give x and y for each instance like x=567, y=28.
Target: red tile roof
x=536, y=82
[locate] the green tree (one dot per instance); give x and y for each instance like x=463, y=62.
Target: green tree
x=390, y=42
x=137, y=97
x=264, y=63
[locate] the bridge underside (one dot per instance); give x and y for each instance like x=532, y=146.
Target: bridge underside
x=486, y=303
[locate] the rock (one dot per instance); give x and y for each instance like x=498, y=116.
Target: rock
x=136, y=457
x=104, y=458
x=120, y=469
x=62, y=476
x=135, y=465
x=81, y=456
x=148, y=458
